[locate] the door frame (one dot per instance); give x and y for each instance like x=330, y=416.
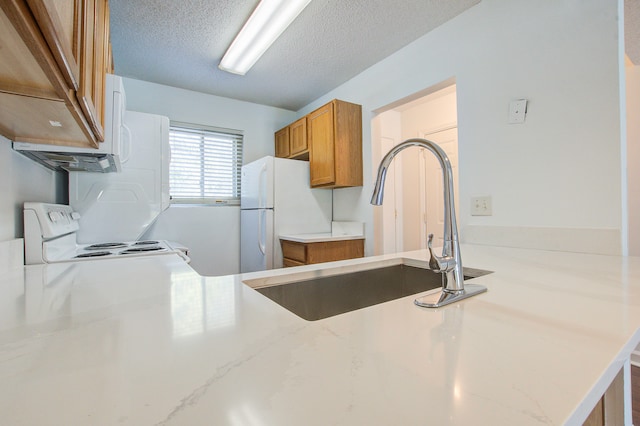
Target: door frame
x=424, y=134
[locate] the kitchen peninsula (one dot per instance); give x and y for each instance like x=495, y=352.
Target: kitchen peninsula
x=146, y=341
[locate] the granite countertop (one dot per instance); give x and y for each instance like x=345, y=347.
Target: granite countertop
x=148, y=341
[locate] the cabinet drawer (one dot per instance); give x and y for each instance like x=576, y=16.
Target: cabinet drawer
x=287, y=263
x=329, y=251
x=294, y=251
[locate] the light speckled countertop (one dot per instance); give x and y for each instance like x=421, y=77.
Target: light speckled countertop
x=319, y=238
x=146, y=341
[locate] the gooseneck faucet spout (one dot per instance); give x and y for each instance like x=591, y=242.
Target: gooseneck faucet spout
x=450, y=263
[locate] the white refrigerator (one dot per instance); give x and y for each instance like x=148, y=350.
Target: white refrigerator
x=276, y=199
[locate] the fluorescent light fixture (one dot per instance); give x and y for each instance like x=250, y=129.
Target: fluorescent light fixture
x=264, y=26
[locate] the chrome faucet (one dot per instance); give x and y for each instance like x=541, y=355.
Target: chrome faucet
x=450, y=263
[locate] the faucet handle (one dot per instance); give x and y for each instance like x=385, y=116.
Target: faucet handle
x=434, y=263
x=437, y=263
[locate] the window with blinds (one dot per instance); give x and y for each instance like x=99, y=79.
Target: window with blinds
x=205, y=164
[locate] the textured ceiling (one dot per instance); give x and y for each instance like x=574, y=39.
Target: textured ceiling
x=180, y=43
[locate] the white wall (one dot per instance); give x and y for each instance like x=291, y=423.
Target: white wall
x=558, y=175
x=633, y=157
x=21, y=179
x=258, y=122
x=429, y=113
x=212, y=233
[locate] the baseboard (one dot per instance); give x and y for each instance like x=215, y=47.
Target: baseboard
x=11, y=254
x=578, y=240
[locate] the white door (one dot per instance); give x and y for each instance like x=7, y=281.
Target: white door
x=256, y=240
x=432, y=184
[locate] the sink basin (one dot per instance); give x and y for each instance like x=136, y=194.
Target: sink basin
x=323, y=297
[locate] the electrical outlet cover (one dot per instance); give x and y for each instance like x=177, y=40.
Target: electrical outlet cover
x=481, y=206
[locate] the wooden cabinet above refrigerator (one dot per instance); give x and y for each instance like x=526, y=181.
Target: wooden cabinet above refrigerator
x=331, y=139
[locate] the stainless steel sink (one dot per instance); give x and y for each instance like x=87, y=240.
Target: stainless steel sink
x=324, y=297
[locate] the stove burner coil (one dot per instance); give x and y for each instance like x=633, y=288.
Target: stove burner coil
x=101, y=246
x=141, y=250
x=94, y=254
x=145, y=243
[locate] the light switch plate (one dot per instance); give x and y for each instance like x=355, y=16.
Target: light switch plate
x=517, y=111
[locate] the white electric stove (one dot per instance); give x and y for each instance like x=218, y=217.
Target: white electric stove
x=50, y=237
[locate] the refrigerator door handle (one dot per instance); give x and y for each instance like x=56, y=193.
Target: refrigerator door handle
x=261, y=241
x=262, y=193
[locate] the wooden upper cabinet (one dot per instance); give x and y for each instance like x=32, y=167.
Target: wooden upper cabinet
x=94, y=54
x=321, y=157
x=22, y=72
x=54, y=55
x=331, y=139
x=282, y=143
x=334, y=134
x=291, y=141
x=60, y=22
x=298, y=146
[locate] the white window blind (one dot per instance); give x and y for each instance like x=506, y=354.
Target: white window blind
x=205, y=165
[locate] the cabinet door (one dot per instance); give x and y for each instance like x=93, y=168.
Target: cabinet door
x=294, y=251
x=348, y=144
x=23, y=61
x=34, y=91
x=101, y=59
x=282, y=143
x=321, y=141
x=298, y=138
x=94, y=39
x=60, y=23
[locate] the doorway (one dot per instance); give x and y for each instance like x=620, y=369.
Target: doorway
x=414, y=201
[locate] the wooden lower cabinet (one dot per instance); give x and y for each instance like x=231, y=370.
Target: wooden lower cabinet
x=610, y=408
x=635, y=394
x=296, y=254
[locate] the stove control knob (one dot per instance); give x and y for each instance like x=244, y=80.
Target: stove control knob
x=75, y=216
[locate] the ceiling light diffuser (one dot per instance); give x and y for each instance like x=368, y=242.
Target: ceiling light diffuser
x=264, y=26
